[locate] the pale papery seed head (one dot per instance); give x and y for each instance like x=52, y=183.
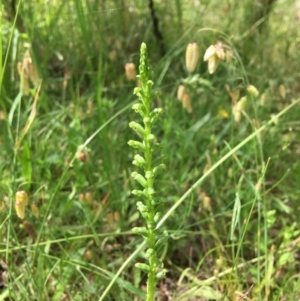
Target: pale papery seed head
x=191, y=56
x=210, y=52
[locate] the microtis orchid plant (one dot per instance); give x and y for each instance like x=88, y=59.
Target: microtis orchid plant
x=155, y=238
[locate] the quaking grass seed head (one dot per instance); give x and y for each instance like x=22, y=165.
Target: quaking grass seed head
x=81, y=153
x=220, y=52
x=212, y=58
x=191, y=56
x=22, y=197
x=186, y=102
x=130, y=71
x=252, y=90
x=20, y=209
x=113, y=218
x=238, y=108
x=180, y=92
x=237, y=115
x=242, y=103
x=21, y=203
x=216, y=53
x=89, y=197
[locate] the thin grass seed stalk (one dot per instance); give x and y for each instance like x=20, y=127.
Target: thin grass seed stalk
x=154, y=238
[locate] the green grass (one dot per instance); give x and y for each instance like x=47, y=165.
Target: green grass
x=244, y=242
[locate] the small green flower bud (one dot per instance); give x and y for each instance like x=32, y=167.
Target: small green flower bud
x=158, y=169
x=159, y=275
x=157, y=217
x=150, y=191
x=141, y=207
x=143, y=210
x=137, y=91
x=157, y=111
x=137, y=107
x=142, y=266
x=139, y=160
x=149, y=252
x=137, y=127
x=150, y=137
x=148, y=174
x=146, y=120
x=150, y=83
x=145, y=215
x=139, y=178
x=140, y=95
x=153, y=202
x=141, y=230
x=140, y=193
x=151, y=225
x=155, y=114
x=136, y=144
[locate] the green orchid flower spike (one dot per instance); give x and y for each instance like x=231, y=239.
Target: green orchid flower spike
x=154, y=238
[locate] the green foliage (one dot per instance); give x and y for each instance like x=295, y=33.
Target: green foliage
x=230, y=190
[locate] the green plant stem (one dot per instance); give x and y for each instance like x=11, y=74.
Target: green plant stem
x=151, y=283
x=148, y=208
